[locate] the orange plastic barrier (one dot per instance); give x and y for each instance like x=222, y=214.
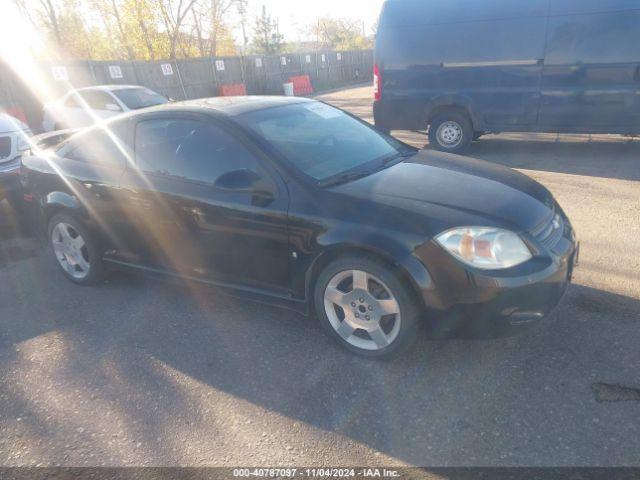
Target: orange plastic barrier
x=301, y=85
x=232, y=90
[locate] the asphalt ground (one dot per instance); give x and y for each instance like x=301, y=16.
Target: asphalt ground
x=140, y=372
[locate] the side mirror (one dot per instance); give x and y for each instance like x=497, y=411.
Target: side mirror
x=242, y=180
x=112, y=107
x=247, y=181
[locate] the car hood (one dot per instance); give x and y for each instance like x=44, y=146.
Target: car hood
x=500, y=195
x=11, y=124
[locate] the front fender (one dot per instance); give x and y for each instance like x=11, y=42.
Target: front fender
x=56, y=200
x=388, y=248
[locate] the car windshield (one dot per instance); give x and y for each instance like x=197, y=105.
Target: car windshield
x=135, y=98
x=322, y=141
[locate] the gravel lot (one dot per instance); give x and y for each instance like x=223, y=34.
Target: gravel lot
x=138, y=372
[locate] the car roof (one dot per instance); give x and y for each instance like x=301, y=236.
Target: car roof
x=109, y=88
x=233, y=106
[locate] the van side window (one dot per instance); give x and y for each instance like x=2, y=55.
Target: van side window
x=474, y=42
x=600, y=38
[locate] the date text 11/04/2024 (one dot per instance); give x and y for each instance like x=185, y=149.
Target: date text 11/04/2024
x=316, y=472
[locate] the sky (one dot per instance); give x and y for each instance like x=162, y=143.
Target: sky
x=294, y=15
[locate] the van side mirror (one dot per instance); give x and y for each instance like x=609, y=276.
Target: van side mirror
x=112, y=107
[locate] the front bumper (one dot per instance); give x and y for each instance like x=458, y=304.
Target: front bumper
x=10, y=178
x=476, y=304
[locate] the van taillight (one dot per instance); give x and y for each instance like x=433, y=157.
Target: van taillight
x=377, y=82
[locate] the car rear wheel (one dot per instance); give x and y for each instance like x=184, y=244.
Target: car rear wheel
x=75, y=250
x=366, y=307
x=451, y=132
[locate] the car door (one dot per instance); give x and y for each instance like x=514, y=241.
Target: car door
x=206, y=204
x=91, y=165
x=591, y=78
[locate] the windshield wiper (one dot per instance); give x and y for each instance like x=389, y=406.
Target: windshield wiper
x=345, y=178
x=351, y=175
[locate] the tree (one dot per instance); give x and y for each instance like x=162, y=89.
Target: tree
x=210, y=33
x=266, y=36
x=340, y=34
x=132, y=29
x=143, y=18
x=173, y=16
x=63, y=25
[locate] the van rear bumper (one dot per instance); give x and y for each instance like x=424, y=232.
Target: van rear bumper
x=399, y=114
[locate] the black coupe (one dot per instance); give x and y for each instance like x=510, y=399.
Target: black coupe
x=297, y=203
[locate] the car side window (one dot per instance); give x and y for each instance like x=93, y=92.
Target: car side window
x=72, y=101
x=97, y=100
x=97, y=146
x=189, y=149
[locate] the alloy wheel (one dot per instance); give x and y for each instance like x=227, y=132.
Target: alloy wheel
x=362, y=310
x=70, y=250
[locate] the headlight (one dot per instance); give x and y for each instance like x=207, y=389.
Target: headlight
x=485, y=247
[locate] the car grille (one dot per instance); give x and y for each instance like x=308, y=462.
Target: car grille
x=550, y=232
x=5, y=147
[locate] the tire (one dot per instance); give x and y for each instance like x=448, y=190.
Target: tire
x=80, y=261
x=453, y=126
x=374, y=333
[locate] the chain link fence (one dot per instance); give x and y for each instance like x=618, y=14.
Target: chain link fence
x=182, y=79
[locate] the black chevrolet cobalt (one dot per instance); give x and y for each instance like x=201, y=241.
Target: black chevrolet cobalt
x=296, y=203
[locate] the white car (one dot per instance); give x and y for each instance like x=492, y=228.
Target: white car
x=14, y=141
x=84, y=106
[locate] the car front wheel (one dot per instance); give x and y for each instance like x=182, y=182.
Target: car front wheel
x=75, y=250
x=366, y=307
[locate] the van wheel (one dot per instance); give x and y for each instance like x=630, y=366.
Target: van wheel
x=366, y=307
x=75, y=250
x=451, y=132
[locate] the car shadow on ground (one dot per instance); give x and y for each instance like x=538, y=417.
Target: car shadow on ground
x=16, y=243
x=613, y=159
x=461, y=400
x=571, y=154
x=607, y=156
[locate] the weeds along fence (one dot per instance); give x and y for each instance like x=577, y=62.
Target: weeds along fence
x=22, y=95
